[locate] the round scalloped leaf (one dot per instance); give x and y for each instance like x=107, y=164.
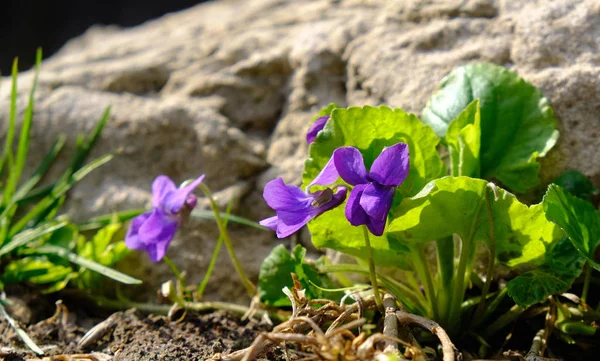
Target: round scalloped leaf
x=517, y=123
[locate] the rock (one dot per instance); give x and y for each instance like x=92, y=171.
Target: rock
x=228, y=89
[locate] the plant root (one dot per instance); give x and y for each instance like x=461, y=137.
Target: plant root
x=94, y=356
x=302, y=336
x=450, y=353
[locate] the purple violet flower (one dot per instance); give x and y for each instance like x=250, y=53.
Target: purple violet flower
x=371, y=198
x=295, y=207
x=153, y=231
x=315, y=128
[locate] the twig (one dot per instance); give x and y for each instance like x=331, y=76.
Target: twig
x=297, y=329
x=22, y=334
x=390, y=323
x=536, y=347
x=450, y=352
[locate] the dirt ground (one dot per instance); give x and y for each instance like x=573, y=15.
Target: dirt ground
x=134, y=336
x=137, y=336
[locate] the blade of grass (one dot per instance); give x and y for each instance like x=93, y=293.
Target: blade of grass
x=104, y=220
x=34, y=179
x=29, y=235
x=51, y=211
x=10, y=135
x=208, y=215
x=23, y=147
x=22, y=334
x=5, y=223
x=87, y=263
x=213, y=259
x=36, y=194
x=87, y=145
x=42, y=169
x=57, y=192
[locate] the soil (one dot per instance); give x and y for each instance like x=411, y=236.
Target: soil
x=137, y=336
x=134, y=336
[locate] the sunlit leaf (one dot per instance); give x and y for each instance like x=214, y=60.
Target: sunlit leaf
x=517, y=123
x=275, y=274
x=370, y=129
x=577, y=218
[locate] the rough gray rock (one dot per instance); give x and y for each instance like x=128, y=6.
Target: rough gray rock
x=228, y=88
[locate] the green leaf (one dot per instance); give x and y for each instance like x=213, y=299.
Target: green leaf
x=562, y=266
x=45, y=205
x=97, y=249
x=517, y=124
x=370, y=129
x=30, y=235
x=10, y=132
x=325, y=111
x=65, y=237
x=103, y=250
x=41, y=170
x=577, y=218
x=23, y=144
x=463, y=140
x=84, y=262
x=91, y=140
x=577, y=184
x=457, y=205
x=34, y=270
x=104, y=220
x=275, y=274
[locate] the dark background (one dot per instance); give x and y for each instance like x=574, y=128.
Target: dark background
x=26, y=25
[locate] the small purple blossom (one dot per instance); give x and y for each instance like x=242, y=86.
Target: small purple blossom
x=153, y=231
x=371, y=198
x=315, y=128
x=295, y=207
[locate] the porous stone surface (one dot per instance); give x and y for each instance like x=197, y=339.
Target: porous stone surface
x=228, y=88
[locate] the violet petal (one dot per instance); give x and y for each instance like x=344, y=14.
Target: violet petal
x=161, y=186
x=290, y=222
x=376, y=227
x=158, y=225
x=328, y=175
x=376, y=200
x=354, y=212
x=158, y=250
x=132, y=239
x=315, y=128
x=270, y=223
x=391, y=166
x=174, y=201
x=350, y=165
x=280, y=196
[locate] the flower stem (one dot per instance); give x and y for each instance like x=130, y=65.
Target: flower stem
x=372, y=270
x=213, y=259
x=445, y=261
x=586, y=282
x=209, y=270
x=178, y=275
x=492, y=248
x=422, y=268
x=503, y=321
x=250, y=288
x=458, y=286
x=173, y=268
